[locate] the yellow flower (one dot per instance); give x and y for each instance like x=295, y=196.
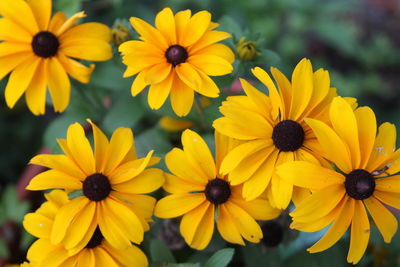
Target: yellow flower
x=113, y=181
x=38, y=49
x=199, y=191
x=274, y=130
x=246, y=49
x=174, y=125
x=365, y=176
x=94, y=251
x=176, y=58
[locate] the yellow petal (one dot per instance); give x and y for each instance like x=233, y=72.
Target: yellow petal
x=165, y=23
x=80, y=149
x=273, y=92
x=188, y=75
x=19, y=80
x=124, y=218
x=211, y=65
x=104, y=258
x=42, y=11
x=247, y=168
x=384, y=219
x=208, y=38
x=245, y=224
x=68, y=23
x=257, y=184
x=35, y=94
x=131, y=256
x=57, y=21
x=91, y=30
x=138, y=84
x=60, y=163
x=38, y=225
x=8, y=63
x=174, y=184
x=159, y=92
x=319, y=203
x=178, y=164
x=59, y=84
x=77, y=70
x=11, y=47
x=120, y=143
x=223, y=145
x=65, y=217
x=259, y=209
x=11, y=31
x=345, y=125
x=285, y=90
x=54, y=179
x=87, y=49
x=130, y=169
x=337, y=229
x=182, y=19
x=208, y=87
x=391, y=184
x=205, y=230
x=302, y=83
x=146, y=182
x=391, y=199
x=148, y=33
x=111, y=230
x=177, y=204
x=219, y=50
x=197, y=151
x=334, y=148
x=80, y=226
x=227, y=227
x=259, y=99
x=385, y=144
x=308, y=175
x=360, y=230
x=321, y=82
x=157, y=73
x=197, y=26
x=182, y=97
x=100, y=146
x=20, y=12
x=190, y=222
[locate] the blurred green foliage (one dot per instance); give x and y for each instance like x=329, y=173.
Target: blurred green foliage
x=356, y=40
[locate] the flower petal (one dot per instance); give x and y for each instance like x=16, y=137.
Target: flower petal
x=41, y=9
x=227, y=227
x=360, y=231
x=54, y=179
x=146, y=182
x=59, y=84
x=197, y=26
x=165, y=23
x=87, y=49
x=159, y=92
x=177, y=204
x=77, y=70
x=182, y=97
x=35, y=94
x=21, y=13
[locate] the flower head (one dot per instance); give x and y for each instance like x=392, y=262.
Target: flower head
x=273, y=130
x=39, y=49
x=95, y=250
x=199, y=191
x=112, y=181
x=367, y=175
x=247, y=50
x=176, y=58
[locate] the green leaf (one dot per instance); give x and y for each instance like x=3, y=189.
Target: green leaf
x=229, y=25
x=183, y=265
x=152, y=139
x=159, y=252
x=126, y=111
x=221, y=258
x=15, y=210
x=69, y=7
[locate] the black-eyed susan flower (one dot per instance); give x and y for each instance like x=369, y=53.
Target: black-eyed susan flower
x=199, y=191
x=40, y=51
x=176, y=58
x=366, y=176
x=95, y=250
x=274, y=130
x=112, y=180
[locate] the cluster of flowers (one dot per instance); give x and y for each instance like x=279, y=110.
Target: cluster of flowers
x=301, y=143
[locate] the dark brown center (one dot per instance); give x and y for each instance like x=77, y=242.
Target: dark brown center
x=45, y=44
x=96, y=239
x=176, y=55
x=96, y=187
x=288, y=135
x=218, y=191
x=359, y=184
x=272, y=233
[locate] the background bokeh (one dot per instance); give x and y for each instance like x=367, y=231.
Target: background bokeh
x=358, y=41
